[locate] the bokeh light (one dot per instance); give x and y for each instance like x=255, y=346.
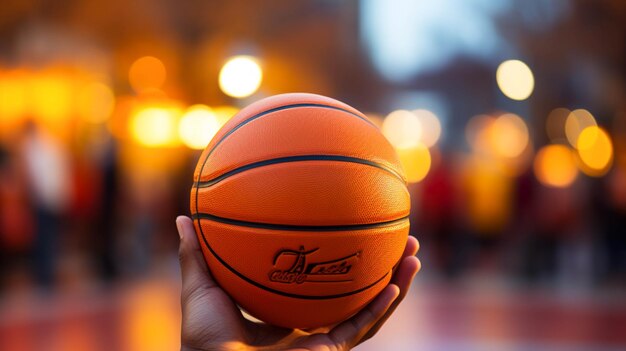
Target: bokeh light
x=147, y=72
x=240, y=76
x=509, y=135
x=555, y=124
x=595, y=150
x=488, y=192
x=403, y=129
x=431, y=127
x=95, y=102
x=155, y=126
x=576, y=122
x=555, y=166
x=198, y=126
x=13, y=93
x=477, y=133
x=416, y=162
x=515, y=79
x=51, y=96
x=224, y=113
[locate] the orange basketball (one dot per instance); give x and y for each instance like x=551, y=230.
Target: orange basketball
x=301, y=208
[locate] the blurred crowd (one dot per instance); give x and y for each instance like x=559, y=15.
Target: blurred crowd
x=100, y=210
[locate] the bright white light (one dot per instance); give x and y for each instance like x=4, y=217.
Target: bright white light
x=515, y=79
x=241, y=76
x=198, y=126
x=403, y=129
x=155, y=126
x=431, y=127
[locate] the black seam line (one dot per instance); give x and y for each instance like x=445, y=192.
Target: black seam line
x=299, y=158
x=280, y=108
x=197, y=192
x=300, y=228
x=278, y=292
x=285, y=107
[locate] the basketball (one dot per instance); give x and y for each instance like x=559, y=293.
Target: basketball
x=301, y=209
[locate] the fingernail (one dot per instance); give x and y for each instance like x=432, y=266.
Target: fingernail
x=396, y=292
x=179, y=227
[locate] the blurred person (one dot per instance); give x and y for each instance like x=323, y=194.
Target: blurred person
x=95, y=198
x=486, y=209
x=436, y=221
x=16, y=228
x=212, y=321
x=47, y=176
x=106, y=248
x=556, y=214
x=609, y=207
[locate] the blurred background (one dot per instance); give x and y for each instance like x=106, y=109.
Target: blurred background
x=509, y=117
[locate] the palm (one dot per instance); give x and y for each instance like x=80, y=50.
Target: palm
x=211, y=320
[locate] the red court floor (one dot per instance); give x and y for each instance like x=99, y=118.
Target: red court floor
x=482, y=315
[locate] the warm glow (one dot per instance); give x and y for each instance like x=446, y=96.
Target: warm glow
x=509, y=135
x=241, y=76
x=13, y=100
x=198, y=126
x=515, y=79
x=51, y=97
x=376, y=119
x=477, y=133
x=487, y=192
x=147, y=73
x=576, y=122
x=95, y=102
x=149, y=320
x=403, y=129
x=595, y=150
x=224, y=113
x=431, y=127
x=13, y=94
x=155, y=126
x=555, y=166
x=555, y=124
x=416, y=162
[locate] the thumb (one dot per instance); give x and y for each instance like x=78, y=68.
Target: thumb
x=194, y=271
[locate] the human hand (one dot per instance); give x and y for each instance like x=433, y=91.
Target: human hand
x=212, y=321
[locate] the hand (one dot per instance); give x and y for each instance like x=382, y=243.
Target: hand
x=212, y=321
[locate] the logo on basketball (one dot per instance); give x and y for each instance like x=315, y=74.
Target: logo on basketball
x=294, y=266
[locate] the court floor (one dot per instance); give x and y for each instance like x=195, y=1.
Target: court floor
x=482, y=314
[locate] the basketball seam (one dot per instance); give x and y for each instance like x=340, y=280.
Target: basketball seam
x=276, y=109
x=298, y=158
x=301, y=228
x=278, y=292
x=206, y=243
x=280, y=108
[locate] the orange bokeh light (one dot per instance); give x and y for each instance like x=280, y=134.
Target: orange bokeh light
x=509, y=135
x=555, y=166
x=595, y=151
x=576, y=122
x=147, y=72
x=416, y=162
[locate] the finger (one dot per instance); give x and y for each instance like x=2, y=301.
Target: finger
x=411, y=248
x=408, y=268
x=403, y=277
x=349, y=332
x=194, y=271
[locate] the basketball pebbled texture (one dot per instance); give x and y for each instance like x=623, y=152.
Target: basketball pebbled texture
x=301, y=208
